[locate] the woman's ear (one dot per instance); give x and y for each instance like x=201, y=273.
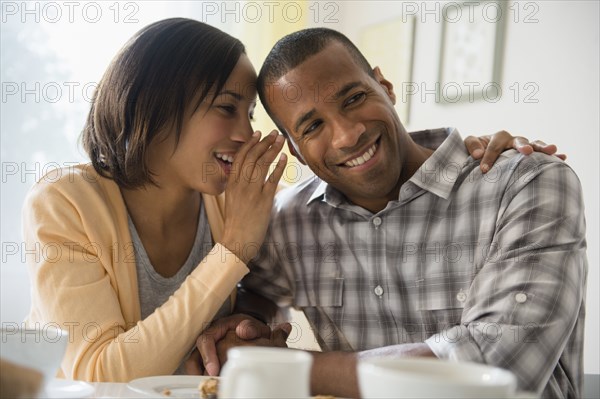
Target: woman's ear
x=386, y=84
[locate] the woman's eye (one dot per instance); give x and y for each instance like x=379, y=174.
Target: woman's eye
x=230, y=109
x=251, y=116
x=356, y=98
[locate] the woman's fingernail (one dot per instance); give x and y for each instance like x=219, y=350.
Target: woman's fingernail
x=477, y=153
x=485, y=168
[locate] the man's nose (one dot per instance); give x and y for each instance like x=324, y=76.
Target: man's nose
x=346, y=133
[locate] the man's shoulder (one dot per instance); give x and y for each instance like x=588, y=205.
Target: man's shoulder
x=524, y=168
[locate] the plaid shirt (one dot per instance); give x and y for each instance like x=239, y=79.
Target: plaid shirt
x=485, y=268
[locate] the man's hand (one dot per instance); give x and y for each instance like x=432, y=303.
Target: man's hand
x=277, y=339
x=193, y=364
x=488, y=148
x=245, y=328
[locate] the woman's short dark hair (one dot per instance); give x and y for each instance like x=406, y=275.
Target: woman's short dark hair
x=148, y=87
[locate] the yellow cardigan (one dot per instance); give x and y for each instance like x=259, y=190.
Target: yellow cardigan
x=84, y=280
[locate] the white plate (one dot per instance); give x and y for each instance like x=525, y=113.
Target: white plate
x=181, y=386
x=58, y=388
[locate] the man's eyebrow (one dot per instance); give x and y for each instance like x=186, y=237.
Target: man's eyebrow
x=344, y=90
x=304, y=118
x=340, y=93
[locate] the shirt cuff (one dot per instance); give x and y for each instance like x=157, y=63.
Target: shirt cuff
x=456, y=344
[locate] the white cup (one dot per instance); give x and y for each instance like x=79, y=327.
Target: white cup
x=432, y=378
x=258, y=372
x=40, y=348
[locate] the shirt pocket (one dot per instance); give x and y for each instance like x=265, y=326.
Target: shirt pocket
x=322, y=292
x=442, y=309
x=441, y=316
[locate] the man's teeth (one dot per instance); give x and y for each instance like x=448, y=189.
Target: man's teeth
x=363, y=158
x=225, y=157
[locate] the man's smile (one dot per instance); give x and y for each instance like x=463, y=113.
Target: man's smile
x=363, y=156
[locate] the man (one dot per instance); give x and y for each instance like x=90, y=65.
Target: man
x=397, y=249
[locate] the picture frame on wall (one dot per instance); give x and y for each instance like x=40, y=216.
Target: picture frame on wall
x=390, y=46
x=471, y=54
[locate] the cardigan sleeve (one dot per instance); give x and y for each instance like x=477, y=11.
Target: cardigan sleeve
x=77, y=270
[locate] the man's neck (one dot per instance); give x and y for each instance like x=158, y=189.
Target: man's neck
x=417, y=156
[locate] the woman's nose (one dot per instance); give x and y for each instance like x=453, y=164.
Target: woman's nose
x=243, y=131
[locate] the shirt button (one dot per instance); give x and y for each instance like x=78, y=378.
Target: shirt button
x=378, y=291
x=461, y=297
x=521, y=297
x=377, y=221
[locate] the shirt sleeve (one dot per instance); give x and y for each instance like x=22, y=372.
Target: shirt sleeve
x=528, y=297
x=78, y=284
x=268, y=276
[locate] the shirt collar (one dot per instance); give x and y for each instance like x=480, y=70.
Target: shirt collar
x=319, y=191
x=440, y=171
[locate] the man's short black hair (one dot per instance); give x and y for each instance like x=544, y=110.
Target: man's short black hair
x=295, y=48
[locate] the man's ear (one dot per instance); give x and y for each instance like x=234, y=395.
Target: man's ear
x=293, y=151
x=386, y=84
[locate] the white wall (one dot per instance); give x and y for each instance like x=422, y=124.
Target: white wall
x=559, y=54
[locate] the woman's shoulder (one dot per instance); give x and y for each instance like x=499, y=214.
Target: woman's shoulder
x=75, y=184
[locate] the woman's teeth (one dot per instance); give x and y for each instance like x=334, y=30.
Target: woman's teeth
x=363, y=158
x=225, y=157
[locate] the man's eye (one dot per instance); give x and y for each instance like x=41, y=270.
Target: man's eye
x=312, y=127
x=355, y=98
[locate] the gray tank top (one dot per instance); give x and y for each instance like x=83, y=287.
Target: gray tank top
x=154, y=289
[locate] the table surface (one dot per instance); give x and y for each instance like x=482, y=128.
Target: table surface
x=117, y=390
x=111, y=390
x=114, y=390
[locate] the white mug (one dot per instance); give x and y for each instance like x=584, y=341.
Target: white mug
x=40, y=348
x=259, y=372
x=432, y=378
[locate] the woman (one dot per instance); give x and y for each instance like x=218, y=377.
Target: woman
x=139, y=251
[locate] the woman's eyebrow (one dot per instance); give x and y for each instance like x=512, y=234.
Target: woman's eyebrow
x=237, y=96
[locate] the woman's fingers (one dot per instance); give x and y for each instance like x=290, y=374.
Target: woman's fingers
x=240, y=157
x=266, y=160
x=252, y=168
x=258, y=158
x=498, y=143
x=476, y=145
x=273, y=181
x=522, y=145
x=540, y=146
x=259, y=149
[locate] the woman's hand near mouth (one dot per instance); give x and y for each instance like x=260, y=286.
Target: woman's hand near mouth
x=249, y=194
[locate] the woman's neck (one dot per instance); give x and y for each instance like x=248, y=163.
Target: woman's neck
x=160, y=211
